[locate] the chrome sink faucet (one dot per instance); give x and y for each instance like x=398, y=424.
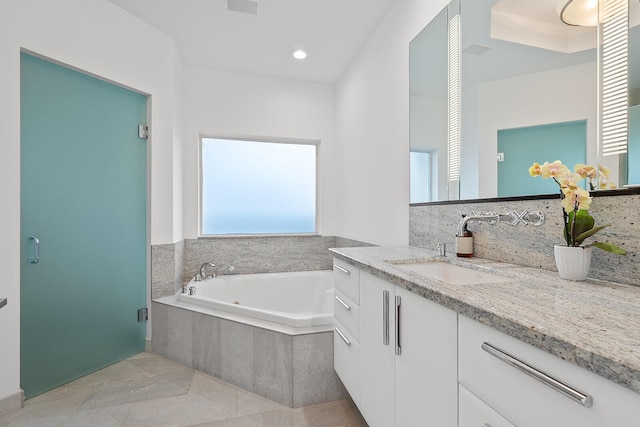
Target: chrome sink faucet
x=203, y=270
x=491, y=217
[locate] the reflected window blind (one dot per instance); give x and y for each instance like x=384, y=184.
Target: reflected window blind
x=454, y=99
x=615, y=77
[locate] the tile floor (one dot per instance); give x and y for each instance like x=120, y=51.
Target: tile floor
x=149, y=390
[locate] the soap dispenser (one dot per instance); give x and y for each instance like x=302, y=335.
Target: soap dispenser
x=464, y=243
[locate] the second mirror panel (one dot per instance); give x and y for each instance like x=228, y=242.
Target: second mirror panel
x=525, y=74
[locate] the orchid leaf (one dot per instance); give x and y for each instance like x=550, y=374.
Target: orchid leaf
x=582, y=224
x=591, y=232
x=609, y=247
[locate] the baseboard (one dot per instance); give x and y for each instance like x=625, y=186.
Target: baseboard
x=11, y=403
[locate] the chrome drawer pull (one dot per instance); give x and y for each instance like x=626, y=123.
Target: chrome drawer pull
x=385, y=317
x=583, y=399
x=344, y=270
x=398, y=346
x=343, y=337
x=342, y=302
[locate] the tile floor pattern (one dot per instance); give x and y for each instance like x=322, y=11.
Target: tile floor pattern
x=149, y=390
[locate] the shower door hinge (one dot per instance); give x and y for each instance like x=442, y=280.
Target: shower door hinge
x=143, y=314
x=143, y=131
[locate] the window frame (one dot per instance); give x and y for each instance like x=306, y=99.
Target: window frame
x=268, y=140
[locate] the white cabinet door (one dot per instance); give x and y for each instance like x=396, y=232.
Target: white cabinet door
x=346, y=360
x=475, y=413
x=377, y=351
x=427, y=368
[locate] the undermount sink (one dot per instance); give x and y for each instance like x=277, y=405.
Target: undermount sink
x=453, y=274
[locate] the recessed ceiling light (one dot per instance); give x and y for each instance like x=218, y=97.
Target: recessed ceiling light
x=299, y=53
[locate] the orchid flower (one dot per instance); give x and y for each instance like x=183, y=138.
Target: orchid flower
x=576, y=201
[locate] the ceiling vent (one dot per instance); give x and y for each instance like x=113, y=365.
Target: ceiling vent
x=243, y=6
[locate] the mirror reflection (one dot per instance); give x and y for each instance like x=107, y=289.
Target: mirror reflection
x=529, y=94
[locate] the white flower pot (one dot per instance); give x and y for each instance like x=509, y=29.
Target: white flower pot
x=573, y=262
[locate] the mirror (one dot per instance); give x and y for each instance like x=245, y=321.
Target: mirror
x=526, y=77
x=633, y=160
x=428, y=112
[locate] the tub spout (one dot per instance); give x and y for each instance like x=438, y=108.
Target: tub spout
x=203, y=270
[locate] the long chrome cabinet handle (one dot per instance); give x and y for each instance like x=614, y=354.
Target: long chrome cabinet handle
x=398, y=346
x=36, y=250
x=346, y=306
x=347, y=342
x=385, y=317
x=344, y=270
x=583, y=399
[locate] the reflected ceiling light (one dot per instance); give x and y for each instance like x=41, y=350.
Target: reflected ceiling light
x=299, y=53
x=582, y=13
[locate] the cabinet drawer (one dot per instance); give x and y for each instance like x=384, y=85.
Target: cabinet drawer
x=346, y=360
x=495, y=374
x=475, y=413
x=346, y=279
x=347, y=313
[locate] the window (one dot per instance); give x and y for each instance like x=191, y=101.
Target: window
x=255, y=187
x=420, y=177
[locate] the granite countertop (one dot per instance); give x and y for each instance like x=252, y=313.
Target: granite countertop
x=3, y=302
x=592, y=324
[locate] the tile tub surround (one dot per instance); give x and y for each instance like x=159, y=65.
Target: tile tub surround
x=592, y=324
x=172, y=265
x=167, y=268
x=533, y=246
x=293, y=370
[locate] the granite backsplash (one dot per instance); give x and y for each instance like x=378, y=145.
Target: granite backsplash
x=533, y=246
x=174, y=264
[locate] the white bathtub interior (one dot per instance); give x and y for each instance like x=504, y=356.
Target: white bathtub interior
x=295, y=299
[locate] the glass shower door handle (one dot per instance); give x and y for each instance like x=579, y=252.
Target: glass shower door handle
x=36, y=250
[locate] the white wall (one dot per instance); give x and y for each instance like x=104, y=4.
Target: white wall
x=219, y=103
x=428, y=132
x=95, y=36
x=373, y=129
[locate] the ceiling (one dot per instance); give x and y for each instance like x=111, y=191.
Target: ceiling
x=208, y=35
x=536, y=41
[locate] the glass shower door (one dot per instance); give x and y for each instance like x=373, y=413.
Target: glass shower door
x=83, y=224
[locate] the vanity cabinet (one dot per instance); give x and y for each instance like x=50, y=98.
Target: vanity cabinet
x=377, y=351
x=407, y=348
x=427, y=368
x=346, y=312
x=529, y=387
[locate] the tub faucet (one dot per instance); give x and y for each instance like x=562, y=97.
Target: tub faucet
x=203, y=270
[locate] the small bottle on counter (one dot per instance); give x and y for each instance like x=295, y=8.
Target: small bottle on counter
x=464, y=243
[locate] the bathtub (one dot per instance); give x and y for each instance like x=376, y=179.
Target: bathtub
x=296, y=299
x=269, y=333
